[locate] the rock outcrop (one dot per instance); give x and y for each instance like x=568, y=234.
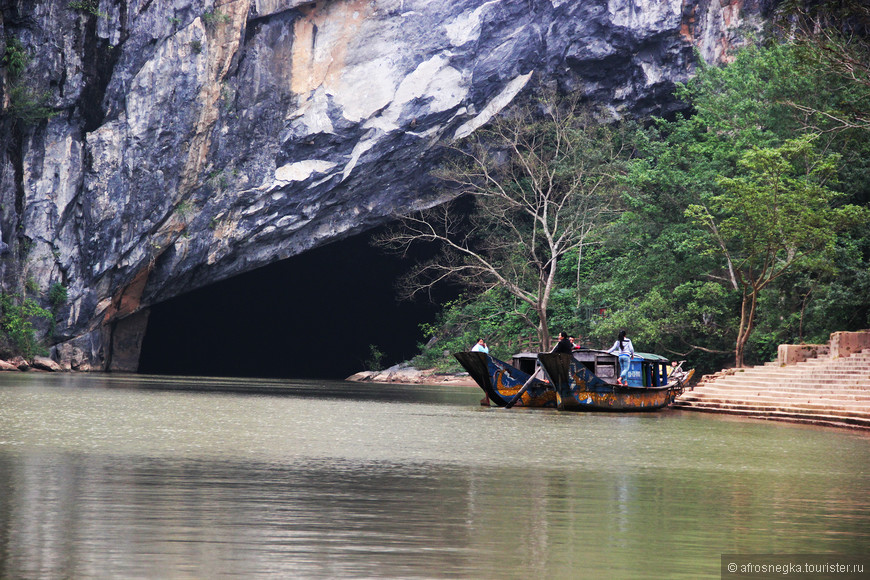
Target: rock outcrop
x=192, y=140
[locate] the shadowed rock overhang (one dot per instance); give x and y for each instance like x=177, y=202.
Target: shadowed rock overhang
x=196, y=140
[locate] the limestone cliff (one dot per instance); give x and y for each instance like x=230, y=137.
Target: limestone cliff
x=193, y=140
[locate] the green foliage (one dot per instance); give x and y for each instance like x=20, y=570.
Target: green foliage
x=212, y=18
x=778, y=211
x=17, y=332
x=743, y=223
x=91, y=7
x=463, y=321
x=184, y=210
x=57, y=295
x=28, y=107
x=375, y=362
x=196, y=46
x=15, y=57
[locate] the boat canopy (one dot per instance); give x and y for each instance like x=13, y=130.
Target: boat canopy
x=651, y=357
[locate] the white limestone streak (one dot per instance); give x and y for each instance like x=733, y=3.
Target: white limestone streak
x=301, y=170
x=465, y=28
x=646, y=15
x=433, y=78
x=499, y=102
x=360, y=148
x=366, y=89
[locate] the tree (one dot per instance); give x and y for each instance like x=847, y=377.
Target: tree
x=669, y=297
x=835, y=38
x=776, y=216
x=532, y=186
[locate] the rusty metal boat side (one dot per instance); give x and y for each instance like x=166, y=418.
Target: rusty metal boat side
x=579, y=389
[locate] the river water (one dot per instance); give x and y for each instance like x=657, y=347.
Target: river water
x=113, y=476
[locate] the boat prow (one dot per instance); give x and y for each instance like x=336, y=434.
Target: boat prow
x=502, y=381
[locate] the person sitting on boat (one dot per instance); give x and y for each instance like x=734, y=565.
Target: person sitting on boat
x=480, y=346
x=625, y=351
x=564, y=345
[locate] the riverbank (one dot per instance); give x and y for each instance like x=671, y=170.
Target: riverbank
x=405, y=373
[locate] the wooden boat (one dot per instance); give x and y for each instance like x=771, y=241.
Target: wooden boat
x=582, y=381
x=503, y=381
x=586, y=380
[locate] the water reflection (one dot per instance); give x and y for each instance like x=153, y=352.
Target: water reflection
x=102, y=480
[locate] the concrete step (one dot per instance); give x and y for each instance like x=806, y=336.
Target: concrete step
x=848, y=379
x=738, y=386
x=785, y=372
x=783, y=391
x=795, y=409
x=831, y=420
x=828, y=377
x=782, y=398
x=813, y=372
x=843, y=408
x=821, y=391
x=758, y=386
x=858, y=397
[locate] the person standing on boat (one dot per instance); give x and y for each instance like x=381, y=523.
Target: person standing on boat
x=480, y=346
x=564, y=345
x=625, y=351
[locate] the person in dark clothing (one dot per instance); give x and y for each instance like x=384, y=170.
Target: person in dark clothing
x=564, y=345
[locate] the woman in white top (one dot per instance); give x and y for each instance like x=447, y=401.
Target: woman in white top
x=625, y=350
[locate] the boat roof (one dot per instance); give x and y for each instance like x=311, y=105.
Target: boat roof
x=643, y=355
x=650, y=356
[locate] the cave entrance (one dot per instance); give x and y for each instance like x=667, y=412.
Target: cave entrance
x=315, y=315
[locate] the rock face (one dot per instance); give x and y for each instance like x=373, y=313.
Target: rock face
x=194, y=140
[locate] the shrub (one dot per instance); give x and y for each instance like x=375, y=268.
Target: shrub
x=87, y=7
x=28, y=107
x=57, y=295
x=211, y=18
x=375, y=362
x=15, y=58
x=17, y=333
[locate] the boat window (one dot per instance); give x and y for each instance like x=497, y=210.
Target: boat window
x=605, y=370
x=525, y=364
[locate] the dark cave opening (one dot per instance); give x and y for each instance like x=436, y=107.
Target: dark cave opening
x=310, y=316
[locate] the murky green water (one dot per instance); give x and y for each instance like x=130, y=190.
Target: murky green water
x=120, y=477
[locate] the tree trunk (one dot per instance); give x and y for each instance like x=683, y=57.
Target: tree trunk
x=543, y=331
x=747, y=324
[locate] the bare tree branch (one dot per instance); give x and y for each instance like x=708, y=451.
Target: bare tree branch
x=539, y=180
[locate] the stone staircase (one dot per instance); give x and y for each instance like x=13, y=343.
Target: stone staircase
x=825, y=391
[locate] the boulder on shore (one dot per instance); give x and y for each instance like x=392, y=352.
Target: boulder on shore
x=7, y=366
x=404, y=373
x=19, y=363
x=46, y=364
